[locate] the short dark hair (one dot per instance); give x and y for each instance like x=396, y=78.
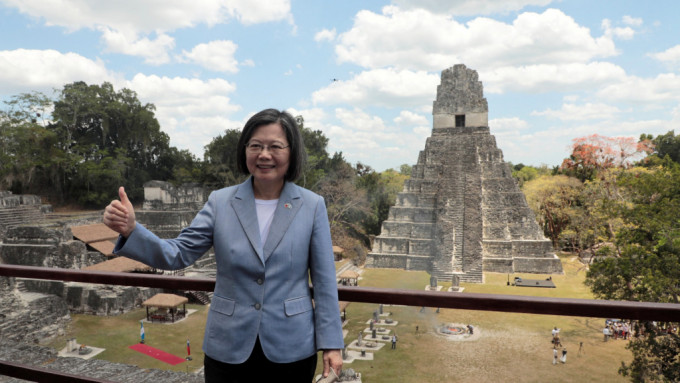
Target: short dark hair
x=298, y=155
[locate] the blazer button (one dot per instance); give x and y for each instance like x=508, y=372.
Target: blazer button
x=258, y=306
x=260, y=281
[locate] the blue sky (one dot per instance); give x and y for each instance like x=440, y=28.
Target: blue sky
x=552, y=70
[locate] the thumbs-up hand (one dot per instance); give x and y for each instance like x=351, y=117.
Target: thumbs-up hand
x=119, y=215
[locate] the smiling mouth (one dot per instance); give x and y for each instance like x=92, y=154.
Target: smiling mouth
x=265, y=166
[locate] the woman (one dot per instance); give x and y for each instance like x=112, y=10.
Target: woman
x=270, y=236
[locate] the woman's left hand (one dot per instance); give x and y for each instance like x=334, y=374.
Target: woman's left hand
x=332, y=359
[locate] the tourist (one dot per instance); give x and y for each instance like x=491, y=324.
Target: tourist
x=554, y=356
x=555, y=331
x=605, y=332
x=563, y=359
x=394, y=341
x=269, y=237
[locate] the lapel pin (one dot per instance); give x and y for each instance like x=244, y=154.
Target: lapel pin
x=287, y=205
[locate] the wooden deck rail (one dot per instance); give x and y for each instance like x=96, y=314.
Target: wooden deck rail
x=663, y=312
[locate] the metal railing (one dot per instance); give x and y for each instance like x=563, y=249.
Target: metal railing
x=663, y=312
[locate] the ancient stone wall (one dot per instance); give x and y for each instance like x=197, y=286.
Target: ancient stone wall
x=52, y=245
x=160, y=195
x=19, y=209
x=45, y=245
x=44, y=357
x=30, y=317
x=461, y=213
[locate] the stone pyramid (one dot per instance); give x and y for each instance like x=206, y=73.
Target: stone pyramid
x=461, y=213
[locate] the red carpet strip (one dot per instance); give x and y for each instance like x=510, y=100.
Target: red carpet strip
x=158, y=354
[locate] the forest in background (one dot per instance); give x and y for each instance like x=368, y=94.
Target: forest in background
x=76, y=149
x=614, y=201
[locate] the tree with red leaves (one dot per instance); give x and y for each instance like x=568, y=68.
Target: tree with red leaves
x=593, y=153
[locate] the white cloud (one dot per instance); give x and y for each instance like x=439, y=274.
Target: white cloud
x=146, y=16
x=325, y=35
x=470, y=7
x=154, y=52
x=634, y=21
x=407, y=118
x=384, y=87
x=549, y=77
x=26, y=70
x=366, y=138
x=216, y=56
x=574, y=112
x=191, y=111
x=360, y=120
x=625, y=33
x=315, y=118
x=505, y=125
x=126, y=24
x=421, y=40
x=670, y=55
x=651, y=91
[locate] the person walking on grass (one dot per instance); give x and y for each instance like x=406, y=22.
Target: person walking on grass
x=554, y=356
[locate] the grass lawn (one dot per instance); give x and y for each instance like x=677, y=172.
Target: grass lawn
x=510, y=347
x=117, y=333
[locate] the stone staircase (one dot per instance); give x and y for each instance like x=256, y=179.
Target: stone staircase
x=199, y=296
x=19, y=215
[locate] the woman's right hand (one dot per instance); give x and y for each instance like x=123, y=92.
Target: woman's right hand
x=120, y=215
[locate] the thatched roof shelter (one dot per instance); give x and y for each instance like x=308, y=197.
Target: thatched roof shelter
x=165, y=301
x=349, y=277
x=169, y=302
x=349, y=274
x=120, y=265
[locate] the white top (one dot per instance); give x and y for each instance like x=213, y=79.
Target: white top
x=265, y=215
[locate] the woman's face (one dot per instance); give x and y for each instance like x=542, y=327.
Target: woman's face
x=269, y=166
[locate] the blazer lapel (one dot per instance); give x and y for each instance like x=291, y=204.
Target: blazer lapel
x=244, y=206
x=290, y=202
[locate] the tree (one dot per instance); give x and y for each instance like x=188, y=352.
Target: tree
x=405, y=169
x=220, y=160
x=553, y=200
x=665, y=145
x=345, y=203
x=92, y=122
x=27, y=149
x=591, y=154
x=648, y=267
x=523, y=173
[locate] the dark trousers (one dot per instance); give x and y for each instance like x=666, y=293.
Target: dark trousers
x=259, y=369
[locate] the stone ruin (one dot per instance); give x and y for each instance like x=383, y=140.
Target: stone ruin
x=48, y=358
x=19, y=209
x=35, y=311
x=461, y=212
x=167, y=209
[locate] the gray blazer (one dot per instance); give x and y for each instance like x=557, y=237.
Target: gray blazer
x=260, y=290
